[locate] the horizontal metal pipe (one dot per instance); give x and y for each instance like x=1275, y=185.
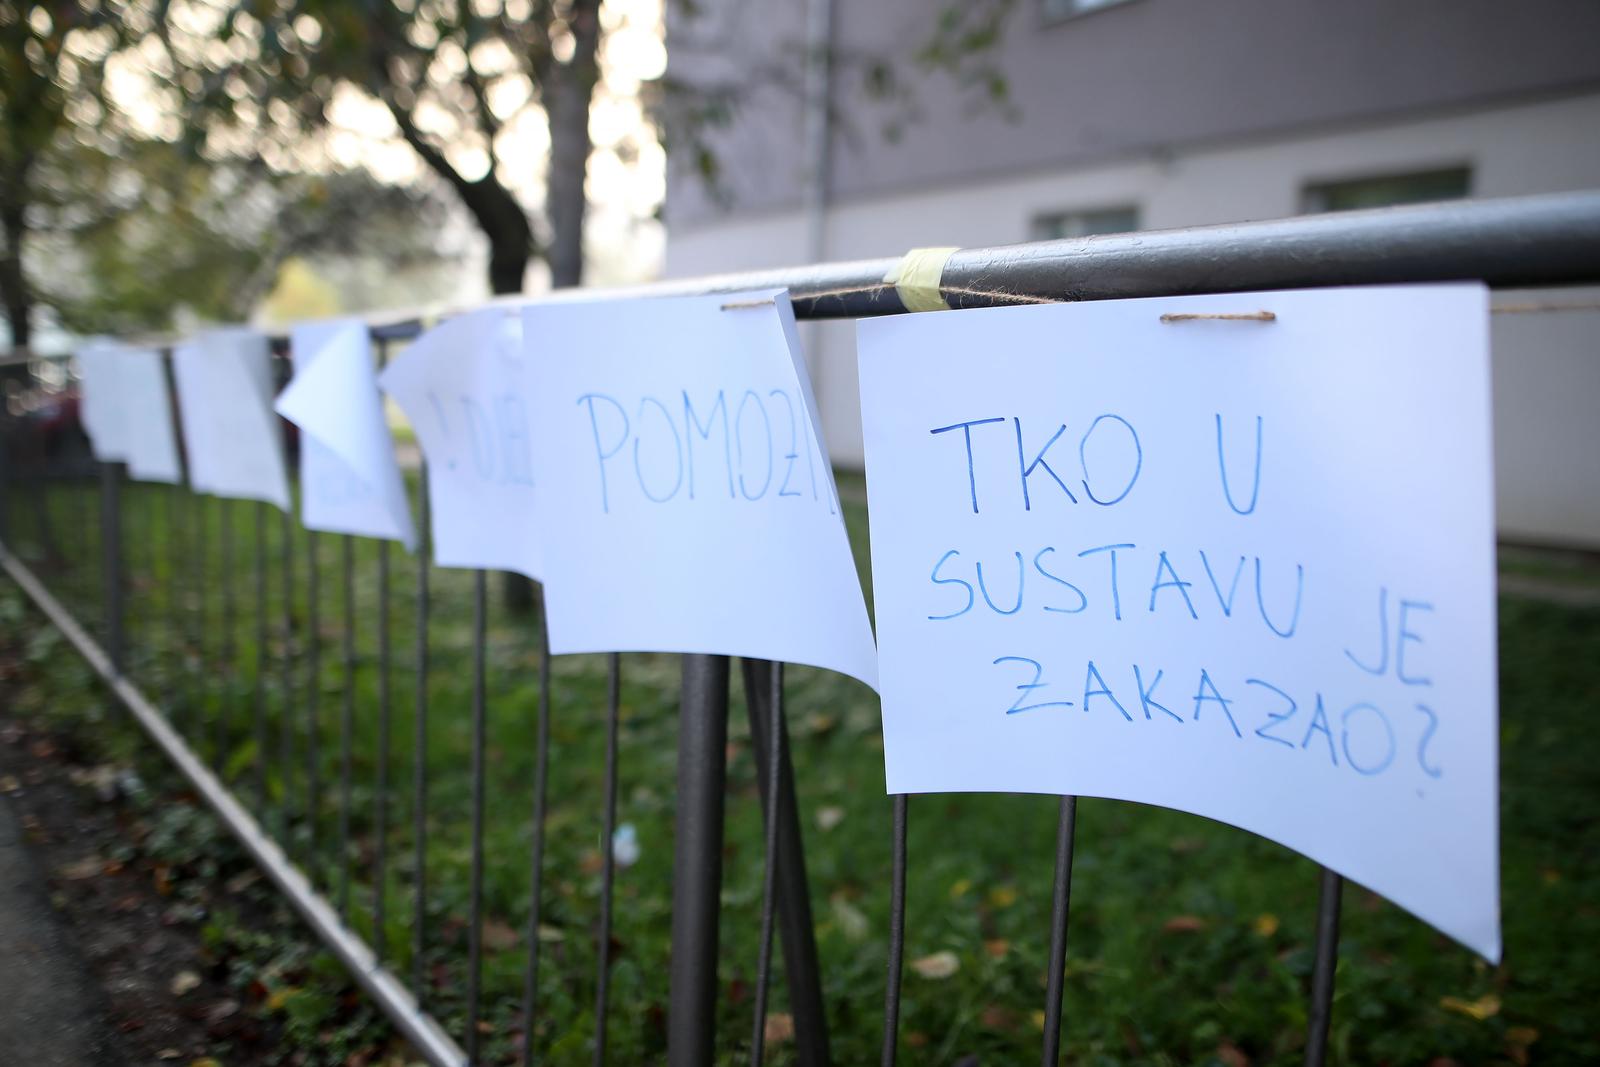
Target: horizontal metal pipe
x=431, y=1043
x=1510, y=242
x=1517, y=242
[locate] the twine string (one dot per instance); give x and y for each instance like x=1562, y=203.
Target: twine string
x=883, y=288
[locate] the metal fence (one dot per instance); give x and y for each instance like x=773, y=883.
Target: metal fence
x=239, y=702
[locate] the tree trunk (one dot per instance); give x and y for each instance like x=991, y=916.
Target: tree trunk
x=13, y=282
x=568, y=91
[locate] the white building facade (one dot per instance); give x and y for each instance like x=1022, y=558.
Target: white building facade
x=1388, y=107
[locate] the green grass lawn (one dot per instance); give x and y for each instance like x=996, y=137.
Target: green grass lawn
x=1190, y=941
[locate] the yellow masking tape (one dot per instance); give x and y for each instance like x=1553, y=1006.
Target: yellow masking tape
x=917, y=277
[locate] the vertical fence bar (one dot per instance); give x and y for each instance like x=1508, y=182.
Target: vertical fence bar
x=1322, y=970
x=149, y=564
x=39, y=486
x=419, y=745
x=286, y=682
x=6, y=423
x=897, y=934
x=541, y=766
x=792, y=893
x=608, y=857
x=183, y=551
x=205, y=721
x=169, y=492
x=697, y=861
x=171, y=669
x=480, y=596
x=313, y=701
x=199, y=711
x=230, y=645
x=78, y=505
x=380, y=815
x=111, y=560
x=261, y=658
x=347, y=719
x=1060, y=908
x=769, y=877
x=380, y=829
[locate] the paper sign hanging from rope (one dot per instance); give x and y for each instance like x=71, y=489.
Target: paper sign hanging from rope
x=230, y=434
x=152, y=446
x=685, y=495
x=1243, y=568
x=349, y=479
x=462, y=387
x=105, y=416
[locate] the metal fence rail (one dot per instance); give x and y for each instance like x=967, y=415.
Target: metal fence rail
x=303, y=830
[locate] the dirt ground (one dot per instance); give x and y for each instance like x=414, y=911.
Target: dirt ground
x=167, y=997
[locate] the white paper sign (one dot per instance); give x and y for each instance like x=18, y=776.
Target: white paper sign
x=462, y=386
x=349, y=479
x=105, y=417
x=230, y=434
x=152, y=445
x=686, y=500
x=1240, y=568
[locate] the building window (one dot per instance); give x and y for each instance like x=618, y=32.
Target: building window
x=1084, y=223
x=1056, y=10
x=1448, y=183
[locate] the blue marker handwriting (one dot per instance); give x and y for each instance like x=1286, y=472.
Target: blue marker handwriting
x=1112, y=582
x=1096, y=463
x=732, y=444
x=1354, y=734
x=487, y=435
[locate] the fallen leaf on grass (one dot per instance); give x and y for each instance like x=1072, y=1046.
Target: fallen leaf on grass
x=997, y=948
x=1184, y=924
x=499, y=936
x=243, y=880
x=939, y=965
x=916, y=1039
x=280, y=997
x=852, y=923
x=959, y=888
x=1485, y=1007
x=1231, y=1056
x=1265, y=925
x=184, y=982
x=78, y=870
x=998, y=1017
x=779, y=1027
x=1002, y=896
x=829, y=817
x=819, y=724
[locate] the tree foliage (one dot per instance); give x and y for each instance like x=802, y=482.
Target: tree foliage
x=266, y=77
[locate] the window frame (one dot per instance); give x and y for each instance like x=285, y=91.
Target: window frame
x=1315, y=192
x=1039, y=220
